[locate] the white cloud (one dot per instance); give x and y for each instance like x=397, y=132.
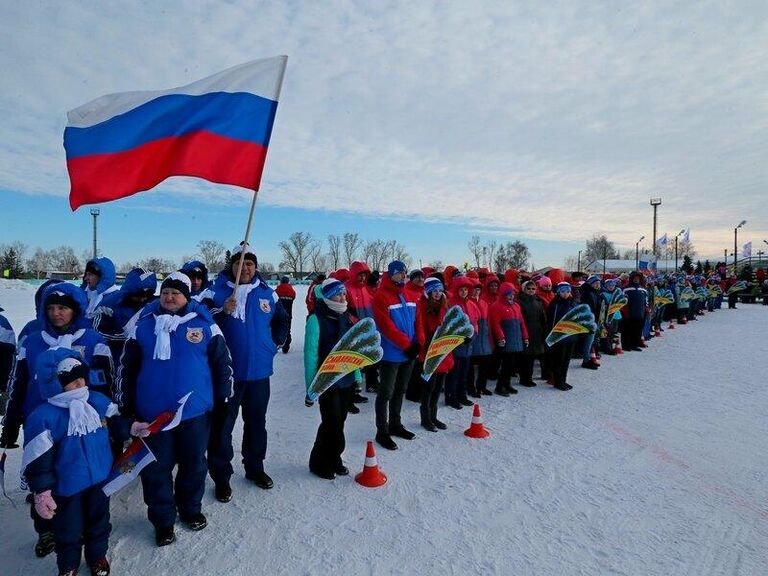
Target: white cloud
x=553, y=120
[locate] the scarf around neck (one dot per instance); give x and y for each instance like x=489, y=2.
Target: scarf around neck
x=338, y=307
x=241, y=296
x=164, y=325
x=83, y=418
x=63, y=341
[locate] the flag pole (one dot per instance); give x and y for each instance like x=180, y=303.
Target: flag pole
x=245, y=240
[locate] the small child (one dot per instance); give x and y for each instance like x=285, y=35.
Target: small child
x=66, y=459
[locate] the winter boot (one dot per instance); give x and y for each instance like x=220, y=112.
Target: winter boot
x=385, y=441
x=439, y=425
x=401, y=432
x=164, y=536
x=100, y=567
x=195, y=522
x=223, y=492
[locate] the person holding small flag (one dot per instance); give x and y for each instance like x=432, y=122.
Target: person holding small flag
x=66, y=459
x=174, y=349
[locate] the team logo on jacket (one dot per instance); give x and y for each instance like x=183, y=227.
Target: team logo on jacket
x=264, y=305
x=195, y=335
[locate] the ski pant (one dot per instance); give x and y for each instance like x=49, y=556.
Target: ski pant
x=525, y=367
x=561, y=357
x=183, y=446
x=371, y=374
x=456, y=380
x=586, y=347
x=393, y=381
x=329, y=442
x=253, y=396
x=509, y=366
x=477, y=375
x=494, y=361
x=81, y=521
x=631, y=332
x=430, y=395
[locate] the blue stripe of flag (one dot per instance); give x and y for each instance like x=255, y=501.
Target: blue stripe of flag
x=240, y=116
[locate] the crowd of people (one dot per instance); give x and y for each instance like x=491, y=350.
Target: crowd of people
x=100, y=363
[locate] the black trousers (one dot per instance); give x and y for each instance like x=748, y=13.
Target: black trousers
x=525, y=367
x=430, y=395
x=330, y=442
x=509, y=366
x=393, y=381
x=456, y=381
x=477, y=376
x=561, y=357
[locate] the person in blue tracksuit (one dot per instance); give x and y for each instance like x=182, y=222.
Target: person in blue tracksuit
x=255, y=326
x=67, y=458
x=98, y=282
x=7, y=357
x=175, y=349
x=325, y=327
x=202, y=287
x=119, y=310
x=34, y=324
x=637, y=307
x=62, y=319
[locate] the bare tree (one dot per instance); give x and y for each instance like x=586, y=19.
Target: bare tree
x=158, y=265
x=295, y=252
x=436, y=264
x=372, y=250
x=40, y=262
x=317, y=258
x=212, y=253
x=334, y=251
x=476, y=249
x=599, y=248
x=266, y=268
x=400, y=253
x=352, y=244
x=518, y=254
x=490, y=252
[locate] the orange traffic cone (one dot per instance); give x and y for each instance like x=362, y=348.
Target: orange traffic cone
x=476, y=429
x=371, y=476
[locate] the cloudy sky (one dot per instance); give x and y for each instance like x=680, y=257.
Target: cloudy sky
x=423, y=121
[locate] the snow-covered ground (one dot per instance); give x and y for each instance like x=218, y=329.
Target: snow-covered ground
x=654, y=464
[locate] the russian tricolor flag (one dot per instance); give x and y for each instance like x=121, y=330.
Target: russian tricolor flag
x=217, y=128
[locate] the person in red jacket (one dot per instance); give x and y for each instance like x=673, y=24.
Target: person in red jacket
x=287, y=295
x=456, y=381
x=482, y=347
x=360, y=305
x=490, y=294
x=511, y=335
x=310, y=299
x=430, y=312
x=414, y=289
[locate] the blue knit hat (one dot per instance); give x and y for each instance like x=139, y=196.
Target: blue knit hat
x=396, y=266
x=593, y=278
x=332, y=287
x=563, y=287
x=432, y=284
x=610, y=282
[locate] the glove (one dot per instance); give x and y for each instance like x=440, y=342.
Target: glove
x=9, y=436
x=45, y=505
x=502, y=343
x=307, y=402
x=413, y=350
x=140, y=429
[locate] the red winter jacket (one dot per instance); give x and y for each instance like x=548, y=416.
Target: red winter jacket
x=469, y=308
x=486, y=295
x=427, y=322
x=285, y=291
x=414, y=291
x=507, y=322
x=395, y=316
x=359, y=298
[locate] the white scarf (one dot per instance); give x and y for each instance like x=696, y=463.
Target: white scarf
x=241, y=297
x=338, y=307
x=83, y=418
x=95, y=298
x=63, y=341
x=164, y=325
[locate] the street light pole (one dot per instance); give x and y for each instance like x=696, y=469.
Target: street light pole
x=735, y=244
x=676, y=237
x=578, y=263
x=655, y=202
x=637, y=252
x=95, y=213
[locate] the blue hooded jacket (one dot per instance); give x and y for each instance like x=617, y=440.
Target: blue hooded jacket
x=199, y=363
x=53, y=460
x=115, y=311
x=254, y=341
x=34, y=325
x=23, y=395
x=105, y=286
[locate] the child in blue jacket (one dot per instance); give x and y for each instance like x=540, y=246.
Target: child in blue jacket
x=66, y=459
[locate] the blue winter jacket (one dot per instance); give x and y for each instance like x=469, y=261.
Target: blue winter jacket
x=24, y=396
x=199, y=363
x=33, y=325
x=52, y=460
x=637, y=300
x=254, y=341
x=7, y=351
x=105, y=286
